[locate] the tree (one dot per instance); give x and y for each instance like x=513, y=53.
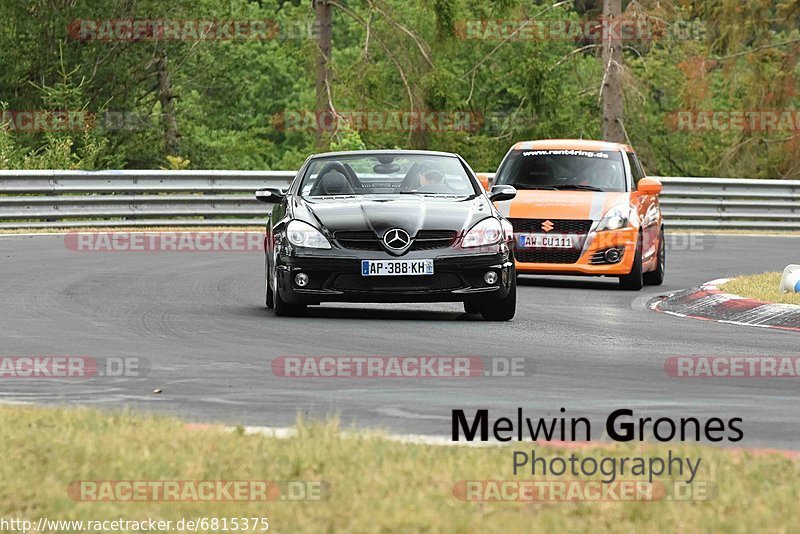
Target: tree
x=324, y=107
x=611, y=86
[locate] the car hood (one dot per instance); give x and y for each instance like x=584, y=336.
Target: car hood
x=543, y=204
x=382, y=212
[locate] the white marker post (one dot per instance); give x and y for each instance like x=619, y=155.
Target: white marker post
x=790, y=281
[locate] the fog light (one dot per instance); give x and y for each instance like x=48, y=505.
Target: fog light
x=490, y=277
x=613, y=255
x=301, y=279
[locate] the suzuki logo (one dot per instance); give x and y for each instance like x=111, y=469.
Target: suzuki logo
x=547, y=226
x=396, y=239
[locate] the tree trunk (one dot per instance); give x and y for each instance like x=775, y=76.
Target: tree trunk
x=323, y=110
x=167, y=100
x=612, y=64
x=419, y=136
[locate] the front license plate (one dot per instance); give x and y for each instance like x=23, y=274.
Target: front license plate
x=396, y=267
x=544, y=241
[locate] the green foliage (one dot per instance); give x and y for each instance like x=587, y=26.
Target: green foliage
x=176, y=163
x=230, y=96
x=347, y=140
x=79, y=146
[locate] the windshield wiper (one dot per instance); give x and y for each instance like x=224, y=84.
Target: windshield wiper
x=427, y=193
x=532, y=187
x=579, y=187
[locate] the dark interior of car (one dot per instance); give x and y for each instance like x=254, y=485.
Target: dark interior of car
x=338, y=178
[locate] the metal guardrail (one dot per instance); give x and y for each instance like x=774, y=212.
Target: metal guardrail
x=68, y=199
x=63, y=199
x=720, y=203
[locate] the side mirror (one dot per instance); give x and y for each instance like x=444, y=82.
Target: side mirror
x=484, y=180
x=270, y=195
x=502, y=192
x=649, y=186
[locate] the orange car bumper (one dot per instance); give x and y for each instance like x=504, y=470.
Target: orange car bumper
x=625, y=238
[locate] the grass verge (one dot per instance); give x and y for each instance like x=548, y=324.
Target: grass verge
x=764, y=286
x=376, y=485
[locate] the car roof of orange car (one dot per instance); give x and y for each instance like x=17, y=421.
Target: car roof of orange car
x=571, y=144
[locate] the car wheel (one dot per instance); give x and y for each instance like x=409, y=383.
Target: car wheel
x=284, y=309
x=501, y=310
x=656, y=278
x=634, y=280
x=472, y=307
x=270, y=295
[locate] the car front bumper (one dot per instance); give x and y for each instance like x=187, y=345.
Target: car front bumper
x=624, y=240
x=336, y=277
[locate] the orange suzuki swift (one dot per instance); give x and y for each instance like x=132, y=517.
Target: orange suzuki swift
x=583, y=208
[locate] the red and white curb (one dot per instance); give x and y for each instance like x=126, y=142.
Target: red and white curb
x=709, y=303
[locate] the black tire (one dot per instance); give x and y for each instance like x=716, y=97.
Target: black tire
x=501, y=310
x=284, y=309
x=634, y=280
x=471, y=307
x=270, y=299
x=656, y=278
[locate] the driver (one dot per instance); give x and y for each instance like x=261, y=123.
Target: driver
x=432, y=181
x=599, y=176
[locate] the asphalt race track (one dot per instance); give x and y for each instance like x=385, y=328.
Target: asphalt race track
x=199, y=319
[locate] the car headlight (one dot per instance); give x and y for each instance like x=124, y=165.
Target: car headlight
x=487, y=232
x=302, y=234
x=617, y=217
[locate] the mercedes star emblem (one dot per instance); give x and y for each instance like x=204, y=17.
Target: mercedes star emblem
x=396, y=239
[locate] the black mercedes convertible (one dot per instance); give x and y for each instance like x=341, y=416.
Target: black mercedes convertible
x=389, y=226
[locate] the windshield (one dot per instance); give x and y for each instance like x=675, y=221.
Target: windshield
x=563, y=170
x=386, y=174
